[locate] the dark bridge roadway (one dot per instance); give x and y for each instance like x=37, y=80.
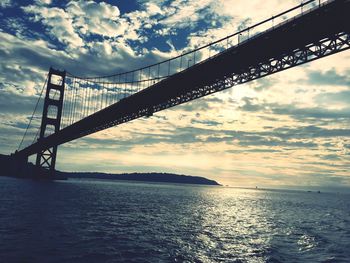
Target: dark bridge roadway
x=321, y=32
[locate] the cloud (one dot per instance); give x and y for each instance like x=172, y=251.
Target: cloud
x=277, y=130
x=185, y=13
x=251, y=105
x=43, y=2
x=59, y=24
x=340, y=99
x=101, y=18
x=310, y=132
x=16, y=103
x=25, y=61
x=5, y=3
x=319, y=114
x=330, y=77
x=315, y=113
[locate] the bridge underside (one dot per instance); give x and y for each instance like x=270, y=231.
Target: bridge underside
x=322, y=32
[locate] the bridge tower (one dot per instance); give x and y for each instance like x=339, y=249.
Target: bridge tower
x=51, y=118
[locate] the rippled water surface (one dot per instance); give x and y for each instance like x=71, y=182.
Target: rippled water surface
x=104, y=221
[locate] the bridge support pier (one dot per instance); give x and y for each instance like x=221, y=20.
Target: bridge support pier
x=51, y=119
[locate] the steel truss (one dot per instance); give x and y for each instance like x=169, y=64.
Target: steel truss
x=328, y=46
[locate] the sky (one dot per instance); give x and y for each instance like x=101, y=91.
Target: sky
x=288, y=129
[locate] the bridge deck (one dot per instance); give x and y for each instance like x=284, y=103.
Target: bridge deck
x=247, y=61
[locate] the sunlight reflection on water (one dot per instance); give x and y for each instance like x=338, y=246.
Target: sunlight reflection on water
x=104, y=221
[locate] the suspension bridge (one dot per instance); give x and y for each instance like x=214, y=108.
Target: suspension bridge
x=75, y=106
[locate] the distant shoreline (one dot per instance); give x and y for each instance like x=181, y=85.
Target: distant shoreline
x=10, y=167
x=141, y=177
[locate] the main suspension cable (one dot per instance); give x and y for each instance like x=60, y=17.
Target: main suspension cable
x=36, y=106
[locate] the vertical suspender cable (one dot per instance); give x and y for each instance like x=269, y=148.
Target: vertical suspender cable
x=72, y=104
x=89, y=97
x=85, y=98
x=106, y=95
x=102, y=92
x=66, y=106
x=74, y=101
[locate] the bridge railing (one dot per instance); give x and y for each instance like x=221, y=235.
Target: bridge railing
x=86, y=95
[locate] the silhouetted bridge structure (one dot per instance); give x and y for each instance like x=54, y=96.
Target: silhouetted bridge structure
x=77, y=106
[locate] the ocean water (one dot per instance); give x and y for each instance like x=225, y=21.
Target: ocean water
x=109, y=221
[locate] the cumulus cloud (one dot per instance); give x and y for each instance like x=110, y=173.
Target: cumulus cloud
x=58, y=23
x=101, y=18
x=5, y=3
x=43, y=2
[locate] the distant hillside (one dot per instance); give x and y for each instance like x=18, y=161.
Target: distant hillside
x=147, y=177
x=8, y=167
